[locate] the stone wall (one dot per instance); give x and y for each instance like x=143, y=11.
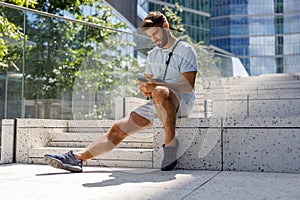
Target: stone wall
x=266, y=144
x=237, y=144
x=7, y=141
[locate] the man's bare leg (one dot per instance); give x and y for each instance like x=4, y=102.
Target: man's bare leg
x=118, y=132
x=166, y=103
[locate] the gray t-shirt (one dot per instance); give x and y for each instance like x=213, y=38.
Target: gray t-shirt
x=184, y=59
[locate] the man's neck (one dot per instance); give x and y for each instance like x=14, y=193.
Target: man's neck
x=171, y=41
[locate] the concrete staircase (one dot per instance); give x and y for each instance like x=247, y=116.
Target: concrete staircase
x=276, y=95
x=134, y=151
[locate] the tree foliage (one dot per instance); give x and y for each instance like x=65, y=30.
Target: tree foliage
x=174, y=19
x=10, y=34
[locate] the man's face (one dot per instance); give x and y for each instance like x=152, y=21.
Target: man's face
x=158, y=35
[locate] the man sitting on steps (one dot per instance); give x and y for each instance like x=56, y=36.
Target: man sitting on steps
x=169, y=84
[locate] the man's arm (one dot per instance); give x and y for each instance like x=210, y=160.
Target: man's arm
x=190, y=77
x=186, y=85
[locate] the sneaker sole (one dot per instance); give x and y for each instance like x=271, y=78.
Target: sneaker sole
x=60, y=165
x=169, y=167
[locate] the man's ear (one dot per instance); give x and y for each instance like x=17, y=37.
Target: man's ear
x=166, y=25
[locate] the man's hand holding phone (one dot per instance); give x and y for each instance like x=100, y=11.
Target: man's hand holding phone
x=149, y=79
x=147, y=85
x=142, y=79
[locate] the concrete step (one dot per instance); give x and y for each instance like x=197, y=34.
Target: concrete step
x=264, y=78
x=254, y=91
x=117, y=157
x=257, y=86
x=82, y=144
x=279, y=92
x=256, y=108
x=95, y=126
x=253, y=81
x=197, y=114
x=74, y=139
x=144, y=137
x=269, y=96
x=134, y=151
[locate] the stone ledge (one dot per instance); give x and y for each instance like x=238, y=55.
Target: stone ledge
x=262, y=122
x=191, y=122
x=42, y=123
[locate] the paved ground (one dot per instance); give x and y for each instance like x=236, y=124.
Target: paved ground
x=18, y=181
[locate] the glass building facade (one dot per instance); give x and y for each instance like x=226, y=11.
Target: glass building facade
x=265, y=35
x=195, y=16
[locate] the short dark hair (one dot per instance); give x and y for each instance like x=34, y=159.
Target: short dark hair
x=154, y=19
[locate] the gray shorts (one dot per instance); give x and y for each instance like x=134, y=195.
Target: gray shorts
x=148, y=110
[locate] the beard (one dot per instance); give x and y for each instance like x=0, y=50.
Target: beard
x=164, y=40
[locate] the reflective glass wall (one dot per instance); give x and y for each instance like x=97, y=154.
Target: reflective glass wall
x=291, y=37
x=66, y=69
x=263, y=34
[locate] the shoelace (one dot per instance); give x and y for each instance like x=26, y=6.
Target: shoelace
x=71, y=154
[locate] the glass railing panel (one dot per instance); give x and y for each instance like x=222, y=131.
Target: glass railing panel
x=65, y=60
x=108, y=75
x=54, y=51
x=11, y=66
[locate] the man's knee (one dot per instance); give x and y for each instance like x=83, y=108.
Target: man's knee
x=160, y=93
x=116, y=134
x=139, y=121
x=130, y=125
x=164, y=96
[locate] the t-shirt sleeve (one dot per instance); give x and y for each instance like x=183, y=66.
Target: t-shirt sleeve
x=148, y=69
x=189, y=60
x=149, y=60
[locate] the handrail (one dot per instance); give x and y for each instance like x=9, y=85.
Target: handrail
x=65, y=18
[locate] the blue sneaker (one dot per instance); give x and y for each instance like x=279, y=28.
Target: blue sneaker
x=169, y=161
x=66, y=161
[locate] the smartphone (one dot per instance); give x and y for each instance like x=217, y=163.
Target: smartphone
x=142, y=79
x=157, y=80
